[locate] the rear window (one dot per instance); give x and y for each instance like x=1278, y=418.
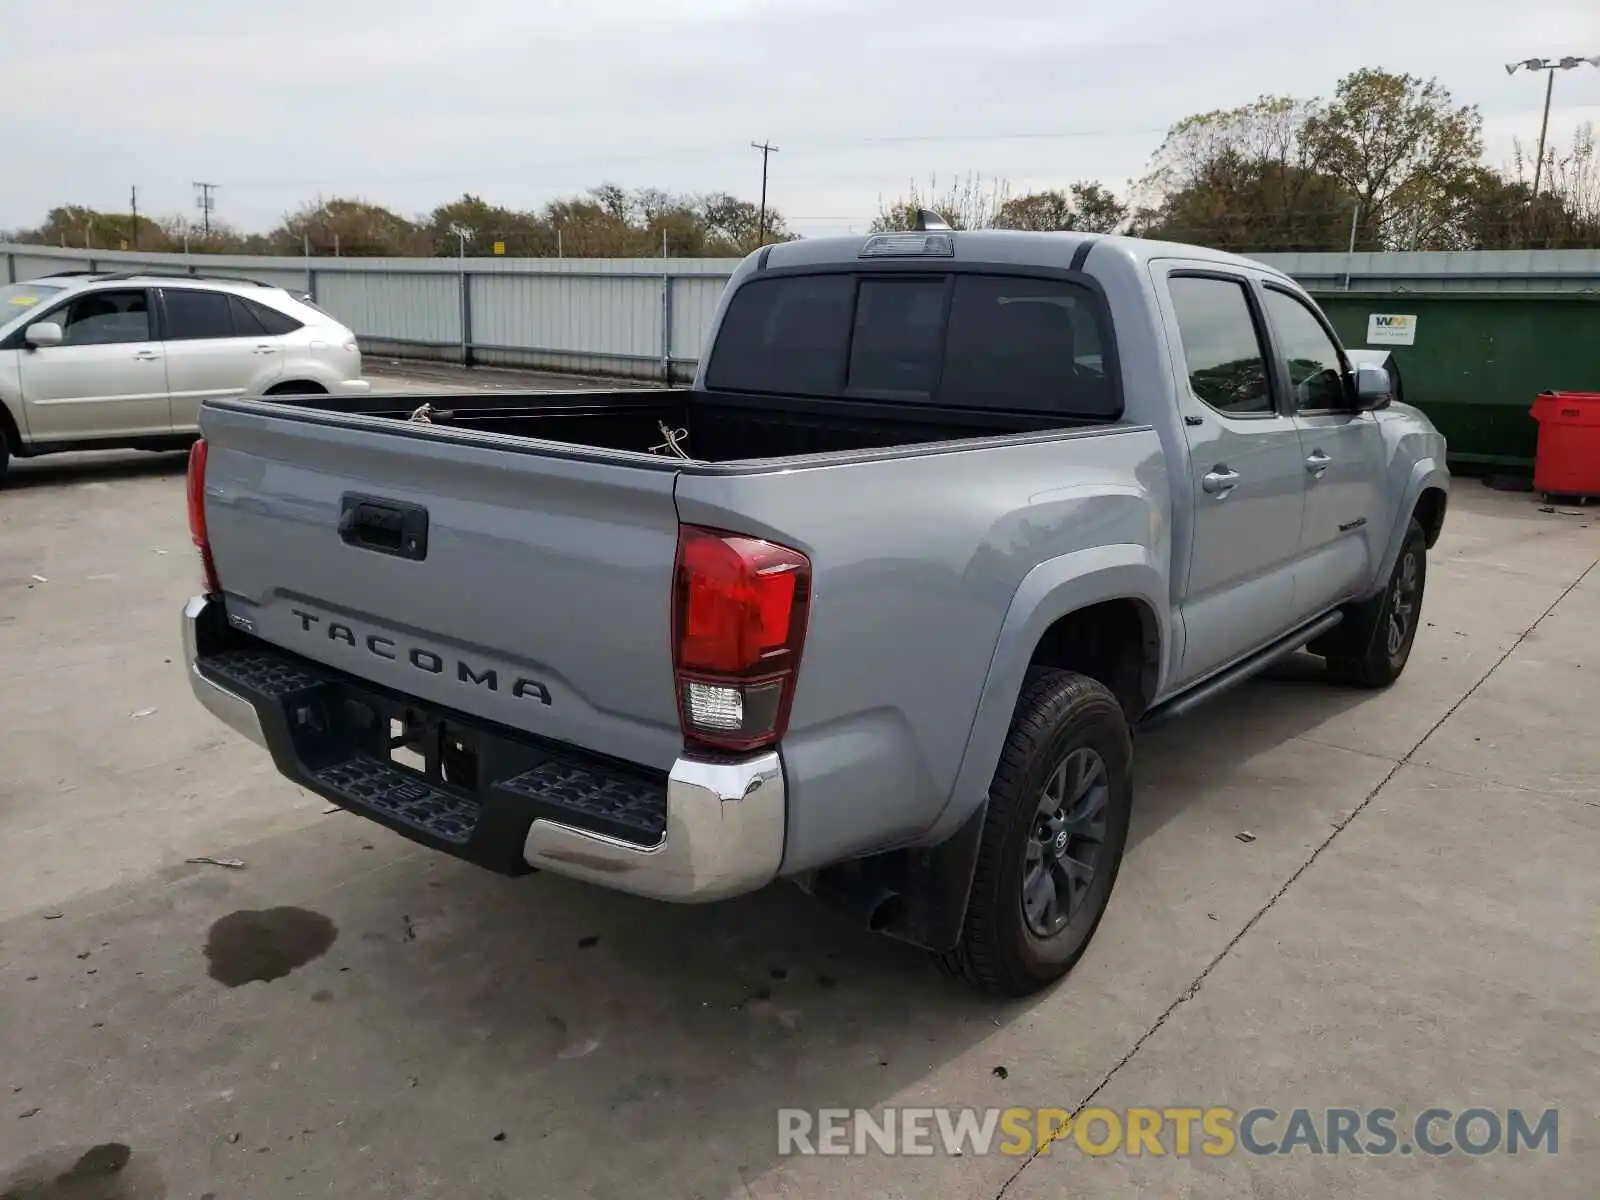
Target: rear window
x=974, y=341
x=786, y=335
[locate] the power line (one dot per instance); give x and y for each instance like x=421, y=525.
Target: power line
x=547, y=165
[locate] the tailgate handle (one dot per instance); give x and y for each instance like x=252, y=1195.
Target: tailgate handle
x=387, y=526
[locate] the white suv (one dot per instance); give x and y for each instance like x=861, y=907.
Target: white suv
x=91, y=361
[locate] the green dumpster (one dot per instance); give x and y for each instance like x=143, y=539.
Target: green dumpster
x=1474, y=361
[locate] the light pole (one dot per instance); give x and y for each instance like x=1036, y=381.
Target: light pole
x=1549, y=66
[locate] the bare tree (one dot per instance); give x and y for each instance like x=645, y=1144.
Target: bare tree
x=967, y=203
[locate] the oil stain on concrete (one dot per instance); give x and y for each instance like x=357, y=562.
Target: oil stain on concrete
x=252, y=946
x=109, y=1171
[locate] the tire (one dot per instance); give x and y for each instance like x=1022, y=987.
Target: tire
x=1068, y=730
x=1376, y=643
x=293, y=388
x=5, y=453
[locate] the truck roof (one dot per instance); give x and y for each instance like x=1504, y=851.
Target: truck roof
x=1022, y=247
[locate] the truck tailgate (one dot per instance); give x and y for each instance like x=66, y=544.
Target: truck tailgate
x=537, y=593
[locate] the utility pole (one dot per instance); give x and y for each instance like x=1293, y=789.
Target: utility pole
x=133, y=203
x=761, y=225
x=205, y=199
x=1549, y=66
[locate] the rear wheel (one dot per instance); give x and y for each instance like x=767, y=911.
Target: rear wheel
x=296, y=388
x=5, y=453
x=1376, y=646
x=1053, y=837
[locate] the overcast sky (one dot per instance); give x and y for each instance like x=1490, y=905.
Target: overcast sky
x=409, y=105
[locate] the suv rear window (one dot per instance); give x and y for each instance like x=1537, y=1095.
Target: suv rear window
x=1014, y=343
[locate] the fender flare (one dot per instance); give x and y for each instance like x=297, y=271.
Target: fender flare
x=1121, y=571
x=1425, y=473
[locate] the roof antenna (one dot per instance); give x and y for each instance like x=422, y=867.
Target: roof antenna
x=928, y=219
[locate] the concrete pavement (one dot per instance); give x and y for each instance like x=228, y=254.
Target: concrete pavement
x=1410, y=927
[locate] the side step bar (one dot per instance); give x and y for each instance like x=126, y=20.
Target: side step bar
x=1260, y=660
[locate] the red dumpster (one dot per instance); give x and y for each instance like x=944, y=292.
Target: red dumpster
x=1568, y=458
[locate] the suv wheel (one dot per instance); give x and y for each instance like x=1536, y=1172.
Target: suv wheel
x=1053, y=837
x=5, y=453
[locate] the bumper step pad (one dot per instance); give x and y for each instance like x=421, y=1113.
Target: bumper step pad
x=320, y=745
x=369, y=783
x=637, y=806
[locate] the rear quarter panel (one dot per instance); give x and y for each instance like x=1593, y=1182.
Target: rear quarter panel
x=917, y=565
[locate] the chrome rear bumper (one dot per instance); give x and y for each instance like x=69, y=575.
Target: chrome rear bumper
x=724, y=820
x=725, y=825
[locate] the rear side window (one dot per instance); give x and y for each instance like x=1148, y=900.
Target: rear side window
x=245, y=323
x=1221, y=345
x=965, y=341
x=275, y=323
x=194, y=315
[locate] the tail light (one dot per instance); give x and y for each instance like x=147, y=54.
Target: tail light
x=739, y=620
x=197, y=515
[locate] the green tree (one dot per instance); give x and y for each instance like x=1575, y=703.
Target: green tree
x=1244, y=179
x=1404, y=149
x=1085, y=207
x=524, y=235
x=351, y=228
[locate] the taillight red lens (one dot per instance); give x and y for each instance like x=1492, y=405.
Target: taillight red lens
x=739, y=617
x=197, y=515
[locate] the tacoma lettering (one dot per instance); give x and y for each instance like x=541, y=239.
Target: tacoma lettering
x=423, y=659
x=467, y=675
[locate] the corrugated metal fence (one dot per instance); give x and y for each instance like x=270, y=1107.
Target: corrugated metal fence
x=648, y=318
x=631, y=317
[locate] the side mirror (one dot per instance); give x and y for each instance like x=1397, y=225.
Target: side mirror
x=1373, y=390
x=43, y=333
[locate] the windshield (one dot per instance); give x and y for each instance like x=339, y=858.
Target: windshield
x=19, y=298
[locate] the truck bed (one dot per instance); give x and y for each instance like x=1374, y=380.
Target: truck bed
x=715, y=427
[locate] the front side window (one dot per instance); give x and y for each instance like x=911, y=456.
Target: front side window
x=1221, y=345
x=1315, y=371
x=105, y=318
x=196, y=315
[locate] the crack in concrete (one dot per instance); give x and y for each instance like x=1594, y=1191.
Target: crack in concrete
x=1190, y=992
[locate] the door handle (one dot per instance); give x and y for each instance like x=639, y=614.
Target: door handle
x=263, y=350
x=146, y=356
x=1317, y=462
x=1219, y=482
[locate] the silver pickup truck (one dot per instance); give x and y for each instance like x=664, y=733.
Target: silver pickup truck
x=875, y=606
